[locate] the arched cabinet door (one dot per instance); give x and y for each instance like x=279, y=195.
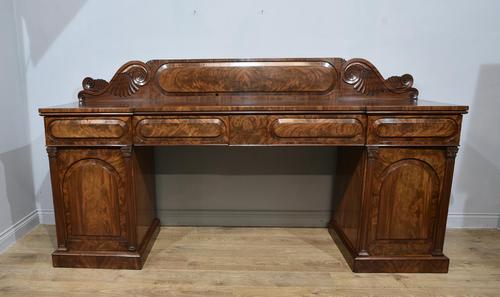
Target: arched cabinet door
x=92, y=200
x=404, y=201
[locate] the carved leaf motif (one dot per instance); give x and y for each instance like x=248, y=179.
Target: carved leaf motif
x=129, y=80
x=362, y=78
x=126, y=82
x=248, y=76
x=366, y=79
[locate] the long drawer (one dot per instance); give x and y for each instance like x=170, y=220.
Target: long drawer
x=421, y=130
x=181, y=130
x=88, y=130
x=297, y=130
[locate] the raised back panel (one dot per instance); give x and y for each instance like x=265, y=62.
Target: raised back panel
x=247, y=77
x=262, y=78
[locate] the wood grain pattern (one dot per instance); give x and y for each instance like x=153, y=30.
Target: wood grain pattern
x=91, y=202
x=87, y=130
x=144, y=193
x=326, y=77
x=317, y=128
x=245, y=262
x=347, y=197
x=414, y=130
x=361, y=77
x=297, y=129
x=183, y=105
x=181, y=130
x=395, y=166
x=249, y=129
x=247, y=77
x=95, y=200
x=405, y=194
x=126, y=82
x=415, y=127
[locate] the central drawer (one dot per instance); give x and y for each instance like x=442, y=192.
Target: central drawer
x=181, y=130
x=297, y=130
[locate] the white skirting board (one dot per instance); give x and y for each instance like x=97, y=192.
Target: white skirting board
x=237, y=218
x=286, y=218
x=9, y=236
x=251, y=218
x=474, y=220
x=47, y=216
x=296, y=218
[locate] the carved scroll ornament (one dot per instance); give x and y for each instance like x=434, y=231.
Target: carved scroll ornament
x=321, y=77
x=365, y=79
x=126, y=82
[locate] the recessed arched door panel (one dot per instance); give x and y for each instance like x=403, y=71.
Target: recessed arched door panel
x=91, y=191
x=94, y=195
x=406, y=189
x=408, y=195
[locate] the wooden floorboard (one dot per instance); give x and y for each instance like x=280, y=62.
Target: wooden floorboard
x=247, y=262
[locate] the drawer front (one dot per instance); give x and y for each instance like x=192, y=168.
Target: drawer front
x=87, y=130
x=298, y=129
x=170, y=130
x=414, y=130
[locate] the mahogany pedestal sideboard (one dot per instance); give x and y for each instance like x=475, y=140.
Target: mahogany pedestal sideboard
x=395, y=153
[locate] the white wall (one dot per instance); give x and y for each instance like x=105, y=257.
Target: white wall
x=17, y=202
x=452, y=48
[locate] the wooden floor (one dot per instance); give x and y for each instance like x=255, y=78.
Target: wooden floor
x=248, y=262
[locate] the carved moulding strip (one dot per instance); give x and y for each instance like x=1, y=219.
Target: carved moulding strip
x=126, y=82
x=366, y=80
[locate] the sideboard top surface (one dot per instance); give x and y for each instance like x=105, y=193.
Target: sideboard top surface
x=236, y=105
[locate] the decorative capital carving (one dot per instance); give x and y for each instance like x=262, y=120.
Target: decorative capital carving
x=451, y=151
x=372, y=152
x=126, y=82
x=366, y=80
x=52, y=151
x=126, y=151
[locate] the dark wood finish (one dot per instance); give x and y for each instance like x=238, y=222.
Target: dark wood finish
x=145, y=192
x=395, y=156
x=87, y=130
x=252, y=77
x=318, y=127
x=105, y=210
x=404, y=199
x=349, y=176
x=184, y=130
x=414, y=130
x=268, y=78
x=256, y=104
x=297, y=129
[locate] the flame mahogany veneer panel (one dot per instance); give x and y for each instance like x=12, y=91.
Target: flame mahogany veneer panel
x=87, y=130
x=186, y=130
x=297, y=129
x=414, y=129
x=247, y=77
